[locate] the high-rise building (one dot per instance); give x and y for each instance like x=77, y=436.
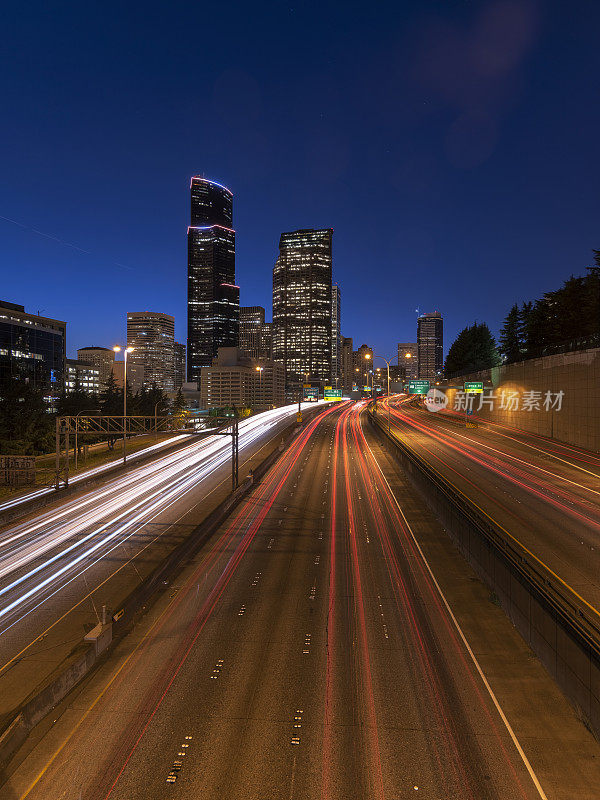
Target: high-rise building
x=363, y=365
x=267, y=341
x=179, y=375
x=336, y=322
x=102, y=358
x=408, y=357
x=302, y=307
x=213, y=297
x=347, y=364
x=32, y=348
x=252, y=319
x=430, y=343
x=151, y=334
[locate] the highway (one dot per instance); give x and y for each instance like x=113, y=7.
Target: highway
x=59, y=567
x=327, y=642
x=543, y=493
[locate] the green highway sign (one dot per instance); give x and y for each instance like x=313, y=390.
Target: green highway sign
x=474, y=387
x=310, y=393
x=418, y=387
x=332, y=394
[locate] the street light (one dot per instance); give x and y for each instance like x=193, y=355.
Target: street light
x=260, y=372
x=125, y=350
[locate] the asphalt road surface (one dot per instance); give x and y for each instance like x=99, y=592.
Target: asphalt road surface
x=544, y=493
x=309, y=652
x=58, y=568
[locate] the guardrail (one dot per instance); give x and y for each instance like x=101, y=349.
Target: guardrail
x=484, y=544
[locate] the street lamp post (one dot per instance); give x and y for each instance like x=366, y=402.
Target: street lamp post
x=126, y=350
x=387, y=361
x=260, y=372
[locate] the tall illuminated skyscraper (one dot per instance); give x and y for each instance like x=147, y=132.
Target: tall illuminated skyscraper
x=302, y=306
x=152, y=336
x=430, y=344
x=213, y=297
x=336, y=324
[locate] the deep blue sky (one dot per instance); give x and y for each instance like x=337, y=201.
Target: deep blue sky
x=453, y=147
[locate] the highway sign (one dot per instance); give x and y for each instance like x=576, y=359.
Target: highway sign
x=332, y=394
x=311, y=393
x=418, y=387
x=473, y=387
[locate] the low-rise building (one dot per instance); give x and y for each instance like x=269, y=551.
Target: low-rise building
x=235, y=379
x=103, y=358
x=83, y=375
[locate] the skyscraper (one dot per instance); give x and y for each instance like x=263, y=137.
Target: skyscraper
x=152, y=336
x=252, y=319
x=348, y=379
x=179, y=365
x=302, y=306
x=408, y=357
x=336, y=322
x=213, y=297
x=430, y=344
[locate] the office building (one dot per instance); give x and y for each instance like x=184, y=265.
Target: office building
x=103, y=358
x=430, y=346
x=408, y=356
x=255, y=333
x=302, y=307
x=363, y=365
x=179, y=375
x=32, y=348
x=236, y=379
x=213, y=297
x=347, y=364
x=135, y=375
x=82, y=375
x=151, y=334
x=336, y=322
x=267, y=341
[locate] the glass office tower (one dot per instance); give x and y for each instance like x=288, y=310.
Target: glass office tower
x=302, y=307
x=213, y=297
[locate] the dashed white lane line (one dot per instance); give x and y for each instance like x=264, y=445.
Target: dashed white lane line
x=490, y=691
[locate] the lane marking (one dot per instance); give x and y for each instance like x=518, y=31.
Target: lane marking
x=504, y=530
x=459, y=630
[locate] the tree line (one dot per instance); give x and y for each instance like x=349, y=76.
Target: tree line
x=26, y=427
x=567, y=318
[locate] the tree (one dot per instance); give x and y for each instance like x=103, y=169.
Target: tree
x=510, y=342
x=179, y=408
x=26, y=426
x=474, y=349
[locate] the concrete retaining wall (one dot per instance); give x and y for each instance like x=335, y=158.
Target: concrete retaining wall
x=567, y=644
x=577, y=374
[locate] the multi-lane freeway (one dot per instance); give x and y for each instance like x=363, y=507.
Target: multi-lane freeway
x=59, y=567
x=327, y=642
x=544, y=493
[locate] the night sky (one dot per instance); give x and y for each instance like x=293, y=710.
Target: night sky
x=452, y=146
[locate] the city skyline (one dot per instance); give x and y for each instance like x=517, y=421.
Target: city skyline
x=447, y=173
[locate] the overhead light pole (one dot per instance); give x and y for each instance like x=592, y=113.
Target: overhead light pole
x=125, y=350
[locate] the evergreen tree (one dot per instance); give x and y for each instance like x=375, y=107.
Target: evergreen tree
x=179, y=408
x=473, y=350
x=111, y=398
x=510, y=343
x=26, y=426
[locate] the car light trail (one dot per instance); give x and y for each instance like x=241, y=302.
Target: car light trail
x=117, y=512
